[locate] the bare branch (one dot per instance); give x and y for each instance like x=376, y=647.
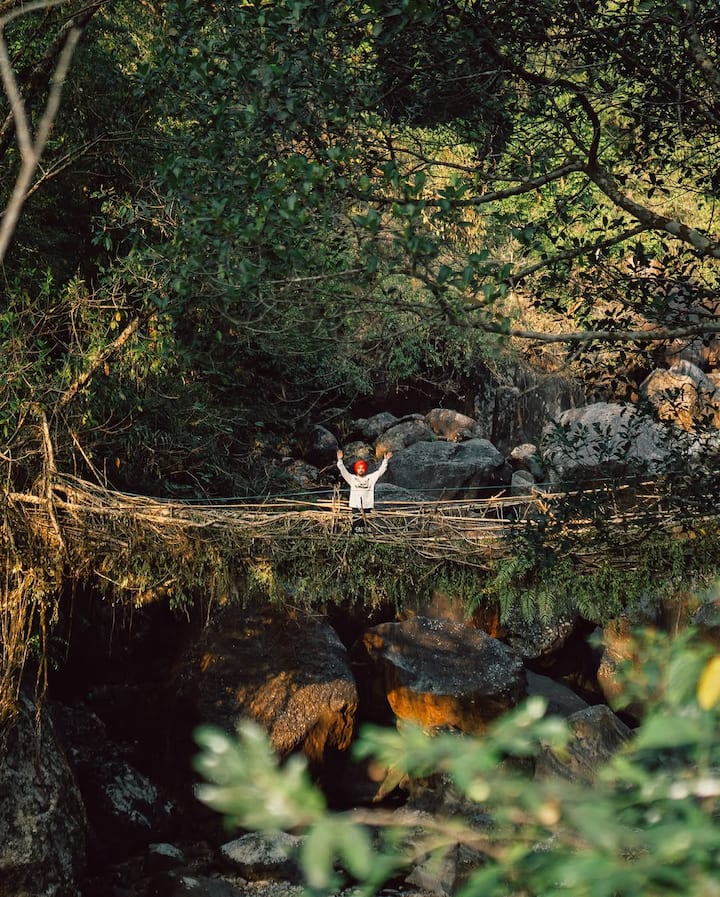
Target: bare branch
x=63, y=163
x=652, y=221
x=30, y=149
x=589, y=249
x=527, y=185
x=658, y=334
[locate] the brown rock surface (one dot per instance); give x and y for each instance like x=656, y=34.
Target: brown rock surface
x=441, y=673
x=290, y=674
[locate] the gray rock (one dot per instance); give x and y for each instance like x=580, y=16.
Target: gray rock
x=43, y=829
x=439, y=673
x=561, y=700
x=391, y=494
x=126, y=811
x=507, y=407
x=707, y=619
x=163, y=857
x=527, y=457
x=354, y=451
x=448, y=470
x=288, y=673
x=322, y=446
x=597, y=734
x=604, y=440
x=301, y=474
x=540, y=636
x=402, y=435
x=513, y=405
x=522, y=482
x=375, y=426
x=261, y=856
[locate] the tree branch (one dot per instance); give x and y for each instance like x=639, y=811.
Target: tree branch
x=40, y=74
x=525, y=186
x=602, y=178
x=517, y=277
x=64, y=162
x=100, y=359
x=651, y=220
x=704, y=63
x=658, y=334
x=30, y=149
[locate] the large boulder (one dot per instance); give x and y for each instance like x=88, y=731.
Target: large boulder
x=389, y=494
x=453, y=425
x=300, y=474
x=372, y=427
x=288, y=673
x=522, y=483
x=512, y=407
x=541, y=637
x=43, y=829
x=597, y=734
x=559, y=699
x=406, y=433
x=440, y=673
x=604, y=440
x=125, y=809
x=321, y=448
x=683, y=395
x=447, y=470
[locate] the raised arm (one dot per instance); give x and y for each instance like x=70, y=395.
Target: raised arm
x=374, y=477
x=344, y=472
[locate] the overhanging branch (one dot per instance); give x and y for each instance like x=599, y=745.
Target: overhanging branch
x=99, y=360
x=657, y=334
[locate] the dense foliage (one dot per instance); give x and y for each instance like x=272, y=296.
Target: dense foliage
x=247, y=212
x=645, y=823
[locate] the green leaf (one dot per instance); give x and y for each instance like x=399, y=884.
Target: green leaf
x=318, y=854
x=355, y=849
x=444, y=273
x=662, y=732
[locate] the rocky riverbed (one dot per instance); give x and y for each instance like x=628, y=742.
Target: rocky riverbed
x=100, y=791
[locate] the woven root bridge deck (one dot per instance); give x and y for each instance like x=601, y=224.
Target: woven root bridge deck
x=74, y=513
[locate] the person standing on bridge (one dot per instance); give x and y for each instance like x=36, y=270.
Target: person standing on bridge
x=362, y=487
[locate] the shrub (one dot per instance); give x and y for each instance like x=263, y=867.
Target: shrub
x=647, y=824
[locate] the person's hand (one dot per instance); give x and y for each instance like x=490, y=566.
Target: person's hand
x=339, y=454
x=388, y=455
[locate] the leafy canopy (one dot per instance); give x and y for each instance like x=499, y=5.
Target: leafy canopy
x=291, y=204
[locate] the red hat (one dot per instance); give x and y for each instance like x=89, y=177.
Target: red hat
x=360, y=465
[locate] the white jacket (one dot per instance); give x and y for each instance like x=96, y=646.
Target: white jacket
x=362, y=489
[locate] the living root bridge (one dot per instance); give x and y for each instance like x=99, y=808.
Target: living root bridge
x=139, y=550
x=90, y=530
x=83, y=521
